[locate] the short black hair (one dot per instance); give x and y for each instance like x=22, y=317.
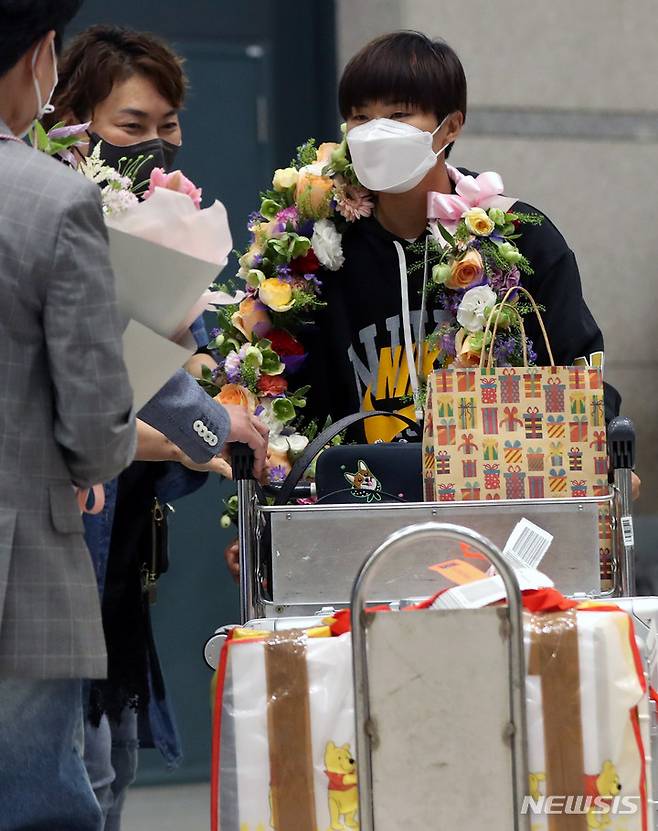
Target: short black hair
x=406, y=67
x=24, y=22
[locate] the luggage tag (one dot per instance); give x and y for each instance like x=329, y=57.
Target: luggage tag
x=527, y=546
x=459, y=572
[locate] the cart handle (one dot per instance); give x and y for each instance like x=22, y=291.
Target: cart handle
x=431, y=533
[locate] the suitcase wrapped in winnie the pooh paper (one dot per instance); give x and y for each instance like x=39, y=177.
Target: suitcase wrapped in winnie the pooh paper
x=285, y=733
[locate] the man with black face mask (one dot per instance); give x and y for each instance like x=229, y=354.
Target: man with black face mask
x=58, y=427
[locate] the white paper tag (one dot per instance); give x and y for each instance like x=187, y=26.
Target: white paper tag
x=481, y=593
x=527, y=545
x=627, y=532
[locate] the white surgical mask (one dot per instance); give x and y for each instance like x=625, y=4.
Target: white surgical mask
x=42, y=109
x=392, y=156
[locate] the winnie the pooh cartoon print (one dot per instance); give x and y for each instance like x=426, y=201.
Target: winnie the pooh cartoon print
x=340, y=768
x=607, y=785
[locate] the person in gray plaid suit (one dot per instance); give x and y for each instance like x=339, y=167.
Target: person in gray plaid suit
x=66, y=419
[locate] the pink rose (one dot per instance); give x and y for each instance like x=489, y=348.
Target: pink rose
x=174, y=181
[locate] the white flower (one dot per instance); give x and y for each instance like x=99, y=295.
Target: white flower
x=298, y=445
x=116, y=202
x=314, y=169
x=471, y=312
x=94, y=168
x=326, y=242
x=279, y=444
x=266, y=415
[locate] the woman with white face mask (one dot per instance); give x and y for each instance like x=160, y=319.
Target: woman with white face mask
x=403, y=97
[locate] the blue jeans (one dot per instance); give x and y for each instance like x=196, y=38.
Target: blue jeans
x=111, y=759
x=43, y=782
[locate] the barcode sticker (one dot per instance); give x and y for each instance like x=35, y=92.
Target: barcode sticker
x=527, y=545
x=627, y=532
x=484, y=592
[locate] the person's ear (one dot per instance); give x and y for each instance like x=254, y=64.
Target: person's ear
x=455, y=123
x=41, y=57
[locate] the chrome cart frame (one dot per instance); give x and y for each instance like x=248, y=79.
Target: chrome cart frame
x=501, y=742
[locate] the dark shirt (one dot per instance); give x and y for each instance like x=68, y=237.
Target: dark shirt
x=356, y=347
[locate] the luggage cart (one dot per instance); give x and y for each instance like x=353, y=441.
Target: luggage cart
x=298, y=562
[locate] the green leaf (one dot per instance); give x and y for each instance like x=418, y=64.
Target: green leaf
x=445, y=233
x=206, y=373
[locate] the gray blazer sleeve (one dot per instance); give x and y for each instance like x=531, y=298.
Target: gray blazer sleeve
x=189, y=417
x=93, y=420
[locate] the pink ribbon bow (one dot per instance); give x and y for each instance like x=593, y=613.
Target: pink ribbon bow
x=471, y=192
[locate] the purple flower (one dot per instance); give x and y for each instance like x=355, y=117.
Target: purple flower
x=257, y=260
x=532, y=355
x=277, y=475
x=67, y=132
x=214, y=332
x=293, y=363
x=501, y=281
x=232, y=366
x=448, y=344
x=314, y=280
x=504, y=350
x=259, y=410
x=253, y=219
x=306, y=229
x=284, y=272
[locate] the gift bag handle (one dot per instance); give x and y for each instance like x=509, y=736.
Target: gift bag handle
x=500, y=307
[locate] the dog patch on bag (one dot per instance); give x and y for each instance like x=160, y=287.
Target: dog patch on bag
x=365, y=484
x=340, y=769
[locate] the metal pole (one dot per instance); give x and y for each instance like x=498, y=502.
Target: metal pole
x=621, y=449
x=432, y=532
x=242, y=461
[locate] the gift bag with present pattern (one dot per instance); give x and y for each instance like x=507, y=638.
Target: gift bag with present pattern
x=517, y=433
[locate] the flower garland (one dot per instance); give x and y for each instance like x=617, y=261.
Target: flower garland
x=257, y=345
x=296, y=241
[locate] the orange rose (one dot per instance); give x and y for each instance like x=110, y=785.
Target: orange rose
x=237, y=395
x=252, y=318
x=325, y=150
x=467, y=271
x=467, y=353
x=313, y=195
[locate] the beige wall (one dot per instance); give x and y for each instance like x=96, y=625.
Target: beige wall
x=586, y=69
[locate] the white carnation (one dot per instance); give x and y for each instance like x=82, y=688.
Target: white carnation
x=471, y=312
x=326, y=242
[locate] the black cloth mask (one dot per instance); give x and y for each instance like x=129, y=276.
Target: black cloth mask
x=155, y=152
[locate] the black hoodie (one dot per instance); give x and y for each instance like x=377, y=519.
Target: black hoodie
x=357, y=359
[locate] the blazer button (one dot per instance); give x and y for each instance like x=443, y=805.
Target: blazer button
x=199, y=427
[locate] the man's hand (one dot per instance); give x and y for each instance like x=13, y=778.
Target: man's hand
x=217, y=465
x=232, y=557
x=248, y=429
x=636, y=485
